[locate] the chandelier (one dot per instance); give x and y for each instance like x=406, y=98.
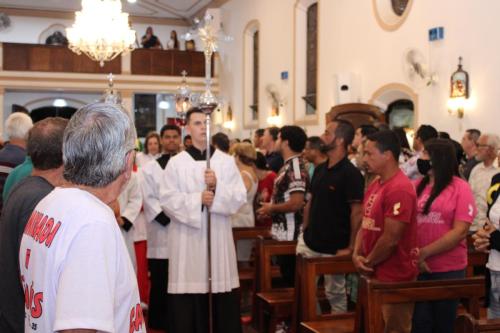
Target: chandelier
x=101, y=31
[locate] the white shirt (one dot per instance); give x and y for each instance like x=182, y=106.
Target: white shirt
x=74, y=258
x=180, y=197
x=130, y=201
x=480, y=180
x=245, y=217
x=157, y=233
x=141, y=159
x=410, y=167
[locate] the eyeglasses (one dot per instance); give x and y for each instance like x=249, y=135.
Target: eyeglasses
x=482, y=146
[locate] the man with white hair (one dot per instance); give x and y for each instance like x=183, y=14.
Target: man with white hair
x=13, y=153
x=74, y=264
x=480, y=176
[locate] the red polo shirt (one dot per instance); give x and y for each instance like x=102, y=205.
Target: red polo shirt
x=396, y=199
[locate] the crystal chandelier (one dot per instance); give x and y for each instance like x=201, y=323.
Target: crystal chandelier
x=101, y=31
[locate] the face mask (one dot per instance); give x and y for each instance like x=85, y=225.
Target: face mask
x=424, y=166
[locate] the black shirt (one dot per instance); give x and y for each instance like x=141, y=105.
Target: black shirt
x=467, y=167
x=163, y=160
x=22, y=200
x=199, y=155
x=333, y=190
x=274, y=161
x=151, y=42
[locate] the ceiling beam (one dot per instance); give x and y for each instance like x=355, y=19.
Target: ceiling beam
x=71, y=16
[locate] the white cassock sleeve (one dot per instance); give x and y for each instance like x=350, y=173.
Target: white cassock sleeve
x=131, y=201
x=230, y=193
x=185, y=207
x=151, y=175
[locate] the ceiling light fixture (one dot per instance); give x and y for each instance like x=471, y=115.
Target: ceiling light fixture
x=60, y=103
x=132, y=1
x=101, y=31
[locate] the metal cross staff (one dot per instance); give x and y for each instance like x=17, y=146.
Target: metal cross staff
x=207, y=103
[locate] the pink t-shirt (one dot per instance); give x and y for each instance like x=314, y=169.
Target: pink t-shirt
x=455, y=202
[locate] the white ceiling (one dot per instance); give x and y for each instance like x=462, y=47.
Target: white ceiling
x=177, y=9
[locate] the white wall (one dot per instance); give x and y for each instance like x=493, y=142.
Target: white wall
x=28, y=29
x=275, y=37
x=350, y=40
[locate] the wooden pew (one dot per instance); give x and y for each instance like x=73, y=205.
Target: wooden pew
x=372, y=295
x=247, y=271
x=306, y=295
x=272, y=303
x=466, y=323
x=474, y=258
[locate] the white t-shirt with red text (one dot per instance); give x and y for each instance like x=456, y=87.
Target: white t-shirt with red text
x=75, y=269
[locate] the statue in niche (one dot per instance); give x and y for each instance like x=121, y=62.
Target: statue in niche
x=459, y=82
x=57, y=38
x=399, y=6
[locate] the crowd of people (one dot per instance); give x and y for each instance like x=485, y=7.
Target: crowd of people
x=93, y=232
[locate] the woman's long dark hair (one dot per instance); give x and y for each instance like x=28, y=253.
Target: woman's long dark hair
x=444, y=167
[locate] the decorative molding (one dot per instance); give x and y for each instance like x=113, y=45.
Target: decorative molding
x=401, y=88
x=76, y=102
x=305, y=120
x=71, y=16
x=248, y=31
x=213, y=4
x=43, y=81
x=390, y=26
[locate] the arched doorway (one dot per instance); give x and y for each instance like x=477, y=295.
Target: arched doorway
x=52, y=111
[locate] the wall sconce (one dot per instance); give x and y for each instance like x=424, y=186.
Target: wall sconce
x=459, y=91
x=274, y=119
x=229, y=123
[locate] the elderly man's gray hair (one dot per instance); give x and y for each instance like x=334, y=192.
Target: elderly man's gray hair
x=96, y=142
x=18, y=125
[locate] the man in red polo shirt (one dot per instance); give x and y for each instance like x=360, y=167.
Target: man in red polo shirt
x=386, y=243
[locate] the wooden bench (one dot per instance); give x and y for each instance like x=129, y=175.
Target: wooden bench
x=373, y=295
x=306, y=295
x=474, y=258
x=273, y=304
x=466, y=323
x=247, y=270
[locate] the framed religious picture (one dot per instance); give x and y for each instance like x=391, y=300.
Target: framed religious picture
x=459, y=82
x=399, y=6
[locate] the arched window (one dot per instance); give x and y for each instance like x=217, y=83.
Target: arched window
x=255, y=77
x=400, y=113
x=306, y=62
x=311, y=58
x=251, y=75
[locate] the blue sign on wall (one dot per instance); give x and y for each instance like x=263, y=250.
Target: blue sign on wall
x=436, y=34
x=284, y=75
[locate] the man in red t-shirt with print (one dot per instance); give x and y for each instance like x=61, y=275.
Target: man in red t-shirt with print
x=386, y=243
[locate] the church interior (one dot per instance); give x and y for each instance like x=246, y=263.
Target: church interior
x=271, y=72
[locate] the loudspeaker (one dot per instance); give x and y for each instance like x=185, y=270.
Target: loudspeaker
x=347, y=88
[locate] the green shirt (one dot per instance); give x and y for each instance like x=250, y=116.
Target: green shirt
x=20, y=172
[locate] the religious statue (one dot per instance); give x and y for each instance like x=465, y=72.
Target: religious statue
x=459, y=82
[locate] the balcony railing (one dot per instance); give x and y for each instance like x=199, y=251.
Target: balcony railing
x=49, y=58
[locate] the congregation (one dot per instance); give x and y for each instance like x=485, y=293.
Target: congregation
x=402, y=212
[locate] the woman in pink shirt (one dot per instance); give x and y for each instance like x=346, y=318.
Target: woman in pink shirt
x=446, y=210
